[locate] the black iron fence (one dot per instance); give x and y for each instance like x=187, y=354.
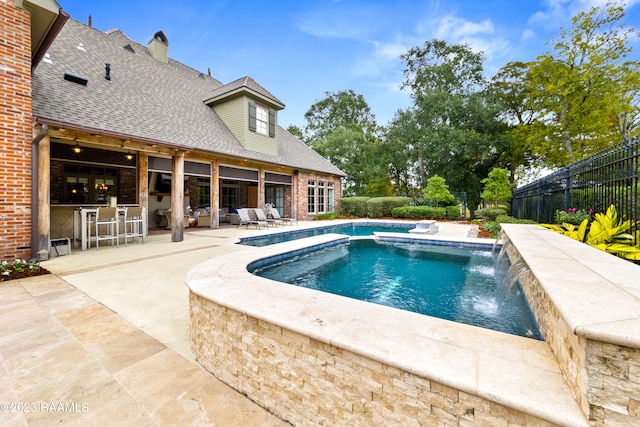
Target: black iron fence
x=607, y=178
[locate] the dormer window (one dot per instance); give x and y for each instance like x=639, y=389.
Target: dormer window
x=262, y=120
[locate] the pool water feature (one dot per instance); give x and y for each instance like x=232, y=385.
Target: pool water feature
x=450, y=283
x=350, y=229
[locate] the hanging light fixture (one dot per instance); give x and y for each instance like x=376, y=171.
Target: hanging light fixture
x=77, y=149
x=129, y=155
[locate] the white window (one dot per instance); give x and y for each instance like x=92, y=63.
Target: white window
x=321, y=201
x=330, y=197
x=312, y=197
x=262, y=120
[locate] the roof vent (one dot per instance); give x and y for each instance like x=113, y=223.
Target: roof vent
x=159, y=47
x=75, y=78
x=129, y=48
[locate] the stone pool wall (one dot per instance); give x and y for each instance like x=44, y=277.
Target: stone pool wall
x=315, y=358
x=308, y=382
x=586, y=303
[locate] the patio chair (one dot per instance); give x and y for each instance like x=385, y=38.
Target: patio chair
x=276, y=215
x=263, y=217
x=204, y=218
x=185, y=219
x=107, y=221
x=246, y=220
x=134, y=224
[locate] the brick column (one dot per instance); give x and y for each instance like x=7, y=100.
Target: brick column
x=15, y=142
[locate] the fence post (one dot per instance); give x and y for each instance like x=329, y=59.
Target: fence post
x=567, y=188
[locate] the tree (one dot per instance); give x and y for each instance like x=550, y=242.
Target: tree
x=296, y=131
x=400, y=138
x=508, y=88
x=581, y=88
x=460, y=135
x=437, y=191
x=338, y=110
x=497, y=188
x=342, y=129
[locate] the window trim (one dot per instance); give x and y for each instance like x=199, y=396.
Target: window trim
x=270, y=122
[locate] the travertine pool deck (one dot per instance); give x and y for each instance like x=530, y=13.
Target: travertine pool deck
x=109, y=329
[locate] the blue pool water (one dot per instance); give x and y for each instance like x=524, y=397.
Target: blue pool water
x=450, y=283
x=352, y=229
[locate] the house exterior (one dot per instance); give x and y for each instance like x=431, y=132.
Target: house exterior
x=112, y=118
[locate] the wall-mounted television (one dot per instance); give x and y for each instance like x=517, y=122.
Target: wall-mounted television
x=163, y=183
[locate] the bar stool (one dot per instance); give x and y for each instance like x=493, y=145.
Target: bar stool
x=134, y=224
x=108, y=219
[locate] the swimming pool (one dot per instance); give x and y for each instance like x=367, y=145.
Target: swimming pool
x=350, y=229
x=455, y=284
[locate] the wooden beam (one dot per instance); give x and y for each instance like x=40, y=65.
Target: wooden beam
x=215, y=193
x=261, y=189
x=44, y=189
x=143, y=183
x=177, y=197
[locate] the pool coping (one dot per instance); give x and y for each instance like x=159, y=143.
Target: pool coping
x=600, y=280
x=486, y=363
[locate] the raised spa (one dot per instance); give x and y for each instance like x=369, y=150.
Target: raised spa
x=315, y=358
x=453, y=283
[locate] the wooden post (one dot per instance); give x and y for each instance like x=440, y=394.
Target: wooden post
x=44, y=189
x=261, y=189
x=143, y=184
x=177, y=197
x=214, y=195
x=294, y=195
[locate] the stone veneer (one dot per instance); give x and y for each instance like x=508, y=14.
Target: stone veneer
x=15, y=145
x=314, y=358
x=587, y=304
x=310, y=382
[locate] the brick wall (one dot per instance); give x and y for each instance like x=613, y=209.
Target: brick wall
x=15, y=132
x=303, y=192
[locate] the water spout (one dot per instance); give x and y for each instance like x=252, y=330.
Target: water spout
x=510, y=278
x=503, y=257
x=497, y=243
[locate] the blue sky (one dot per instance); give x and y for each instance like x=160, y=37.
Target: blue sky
x=298, y=50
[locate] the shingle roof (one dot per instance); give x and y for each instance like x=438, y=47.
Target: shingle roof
x=147, y=99
x=244, y=83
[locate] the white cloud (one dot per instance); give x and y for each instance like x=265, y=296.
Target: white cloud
x=328, y=27
x=557, y=13
x=454, y=27
x=527, y=34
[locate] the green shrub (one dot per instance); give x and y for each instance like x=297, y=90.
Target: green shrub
x=494, y=228
x=437, y=191
x=353, y=206
x=506, y=219
x=453, y=212
x=489, y=214
x=573, y=216
x=419, y=212
x=328, y=215
x=383, y=206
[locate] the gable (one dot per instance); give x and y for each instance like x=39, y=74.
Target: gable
x=239, y=114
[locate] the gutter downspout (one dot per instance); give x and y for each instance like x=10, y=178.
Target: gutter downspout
x=36, y=244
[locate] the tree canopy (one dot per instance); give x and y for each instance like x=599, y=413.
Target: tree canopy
x=580, y=97
x=580, y=89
